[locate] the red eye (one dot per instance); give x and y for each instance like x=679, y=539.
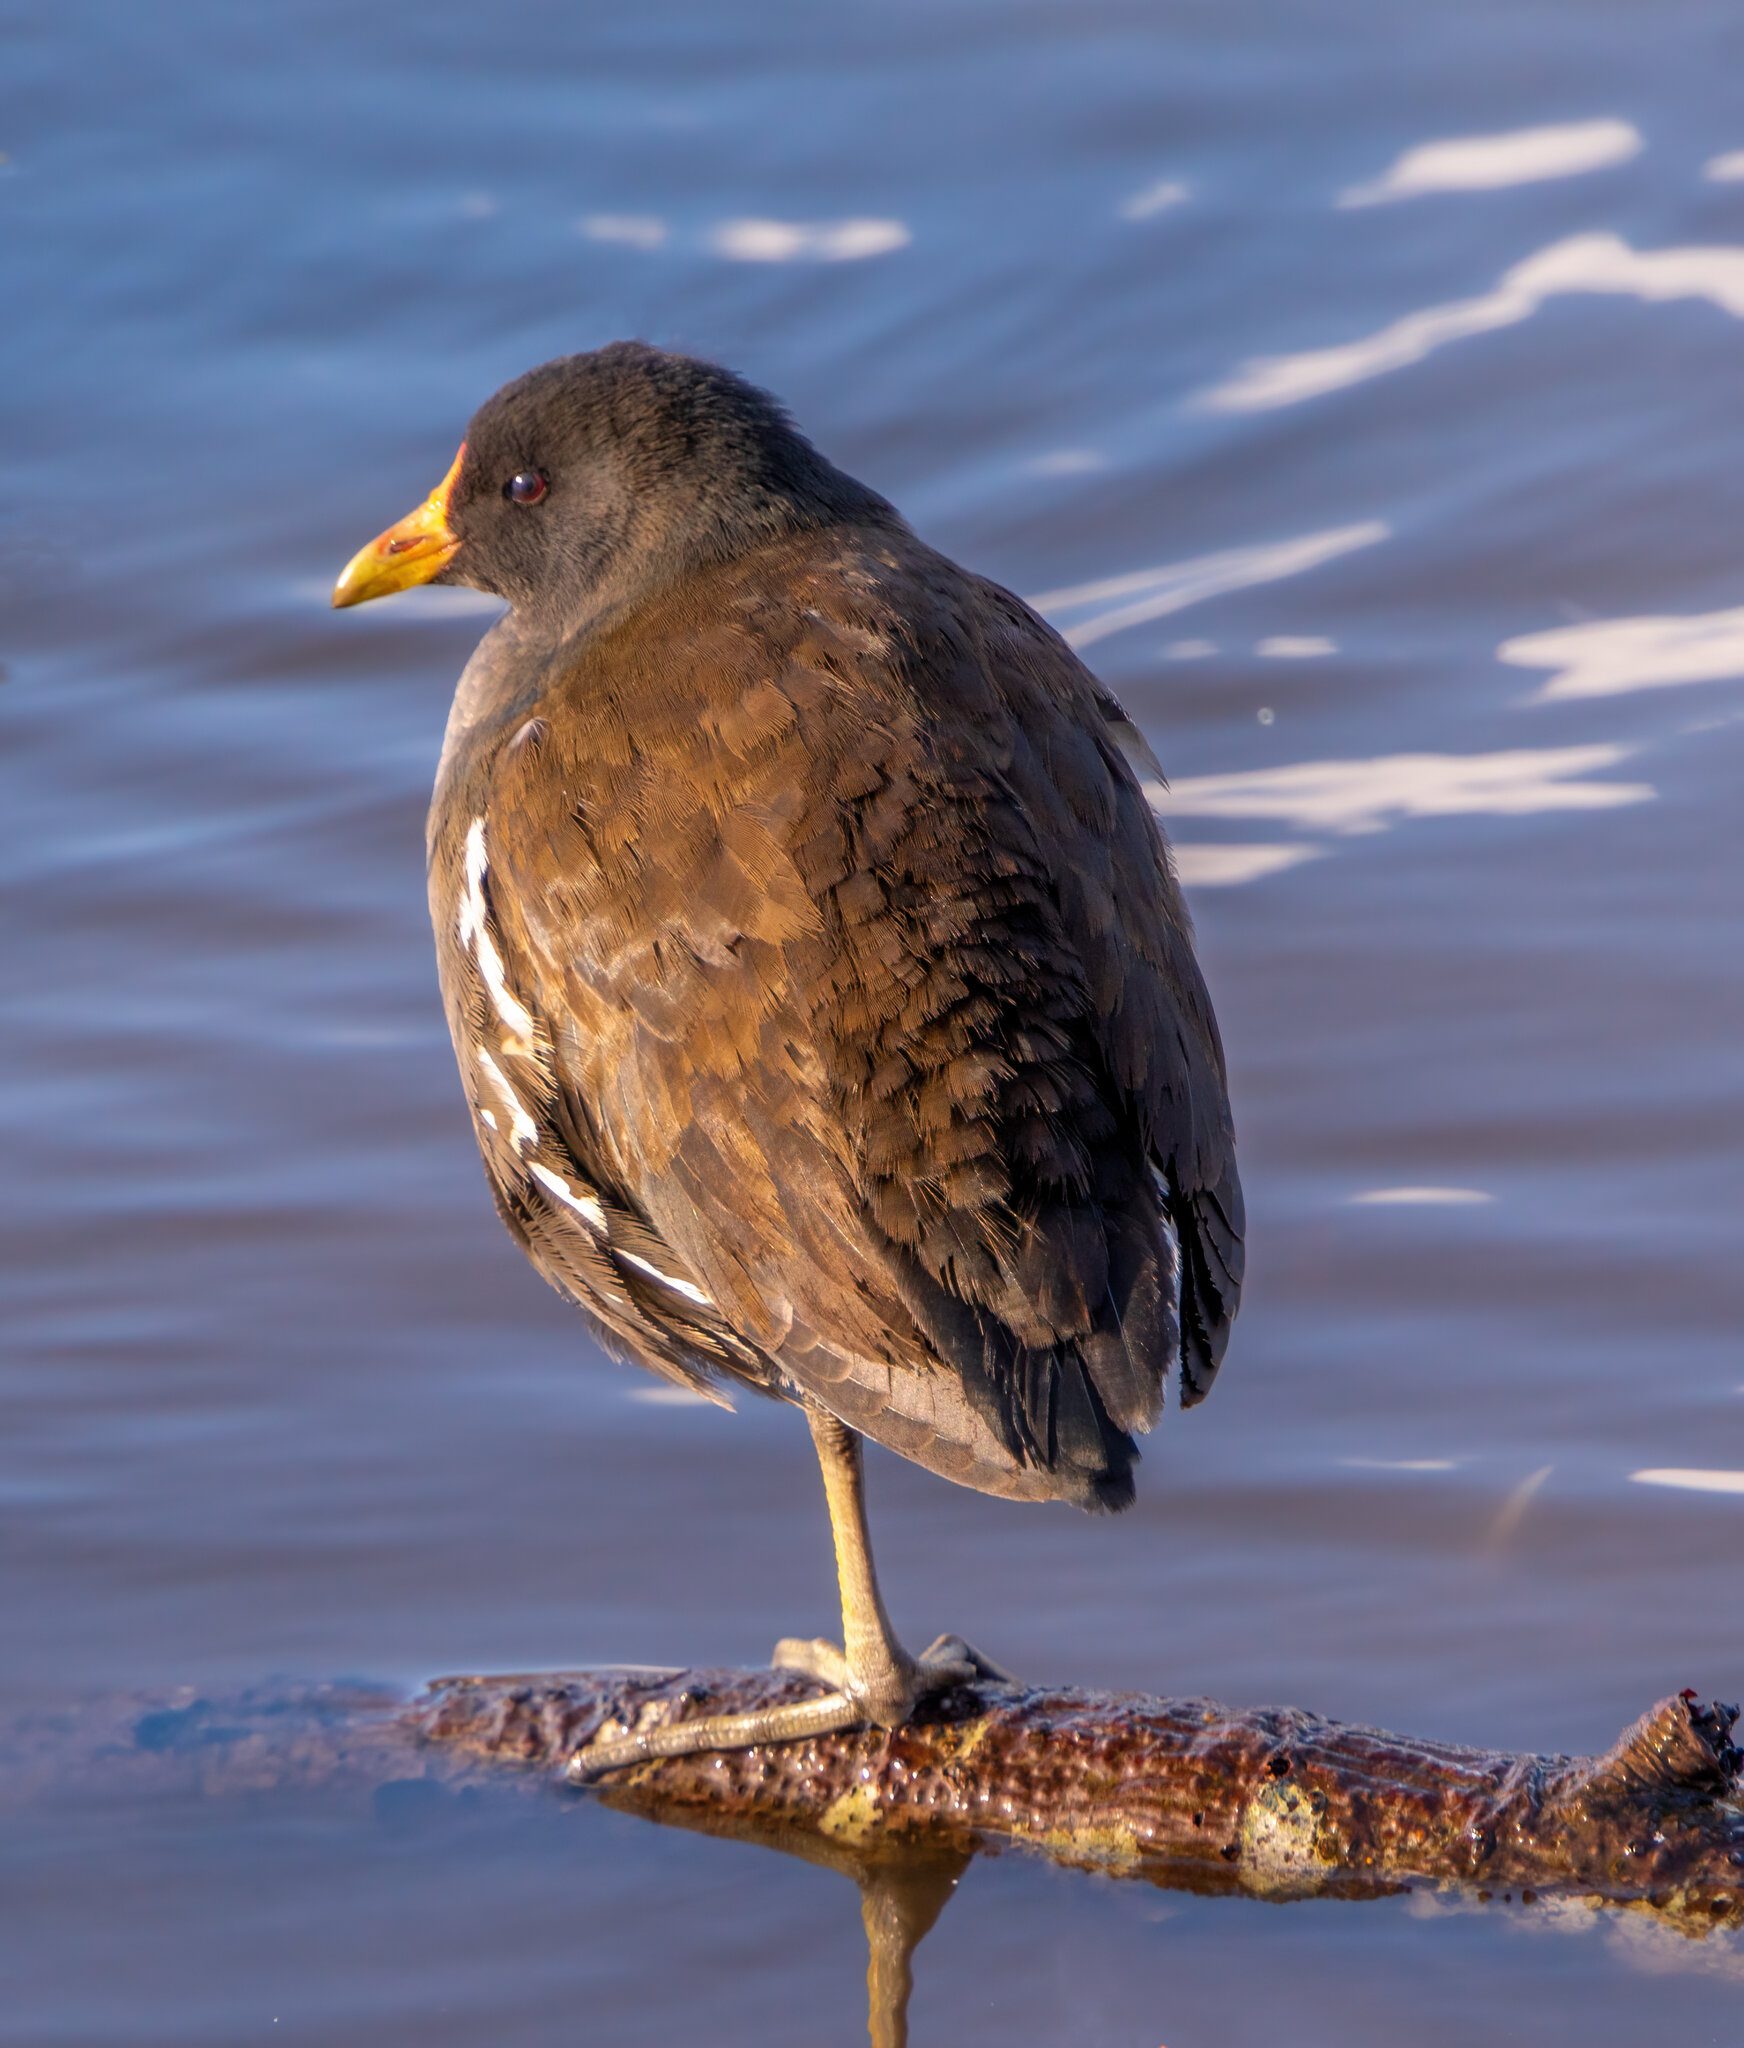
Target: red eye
x=526, y=487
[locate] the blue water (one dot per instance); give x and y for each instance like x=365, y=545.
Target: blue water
x=1416, y=479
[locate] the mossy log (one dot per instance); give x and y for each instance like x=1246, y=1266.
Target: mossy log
x=1271, y=1801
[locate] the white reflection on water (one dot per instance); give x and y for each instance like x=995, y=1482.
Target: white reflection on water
x=1425, y=1198
x=633, y=230
x=1608, y=657
x=1400, y=1464
x=1117, y=602
x=1597, y=263
x=1725, y=170
x=1637, y=1940
x=1690, y=1479
x=1066, y=462
x=1665, y=1950
x=1369, y=796
x=756, y=240
x=794, y=241
x=1151, y=200
x=1483, y=163
x=1295, y=647
x=1227, y=867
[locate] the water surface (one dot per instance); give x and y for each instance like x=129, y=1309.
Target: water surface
x=1394, y=488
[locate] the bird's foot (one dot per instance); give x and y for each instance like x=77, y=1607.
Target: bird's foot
x=892, y=1690
x=882, y=1698
x=825, y=1715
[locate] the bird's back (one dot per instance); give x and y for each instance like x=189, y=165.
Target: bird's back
x=830, y=1015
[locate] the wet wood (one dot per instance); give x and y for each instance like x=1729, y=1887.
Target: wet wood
x=1270, y=1801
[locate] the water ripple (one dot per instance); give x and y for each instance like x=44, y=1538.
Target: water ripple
x=1486, y=163
x=1602, y=264
x=1370, y=795
x=1610, y=657
x=1116, y=602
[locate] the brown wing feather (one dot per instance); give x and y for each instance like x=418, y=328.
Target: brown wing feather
x=865, y=991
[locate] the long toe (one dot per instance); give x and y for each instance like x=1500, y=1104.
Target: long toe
x=812, y=1657
x=885, y=1698
x=948, y=1660
x=828, y=1714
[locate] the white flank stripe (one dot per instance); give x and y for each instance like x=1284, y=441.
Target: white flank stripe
x=1690, y=1479
x=522, y=1128
x=473, y=925
x=585, y=1206
x=683, y=1287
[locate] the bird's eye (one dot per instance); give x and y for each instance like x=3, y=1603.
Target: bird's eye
x=526, y=487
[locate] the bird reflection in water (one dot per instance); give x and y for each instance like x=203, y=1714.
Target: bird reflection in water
x=902, y=1893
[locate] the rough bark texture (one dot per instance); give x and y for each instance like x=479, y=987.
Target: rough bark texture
x=1270, y=1801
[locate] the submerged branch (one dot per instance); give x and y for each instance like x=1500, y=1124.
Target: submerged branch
x=1269, y=1801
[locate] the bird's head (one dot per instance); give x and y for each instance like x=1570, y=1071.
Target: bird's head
x=597, y=477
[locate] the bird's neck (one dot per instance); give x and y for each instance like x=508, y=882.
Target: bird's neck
x=497, y=673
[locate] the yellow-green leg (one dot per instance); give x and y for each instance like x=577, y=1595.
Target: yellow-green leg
x=873, y=1680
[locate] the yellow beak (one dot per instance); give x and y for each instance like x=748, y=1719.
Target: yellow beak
x=412, y=552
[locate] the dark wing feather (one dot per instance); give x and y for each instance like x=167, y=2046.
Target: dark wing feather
x=865, y=992
x=1197, y=1159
